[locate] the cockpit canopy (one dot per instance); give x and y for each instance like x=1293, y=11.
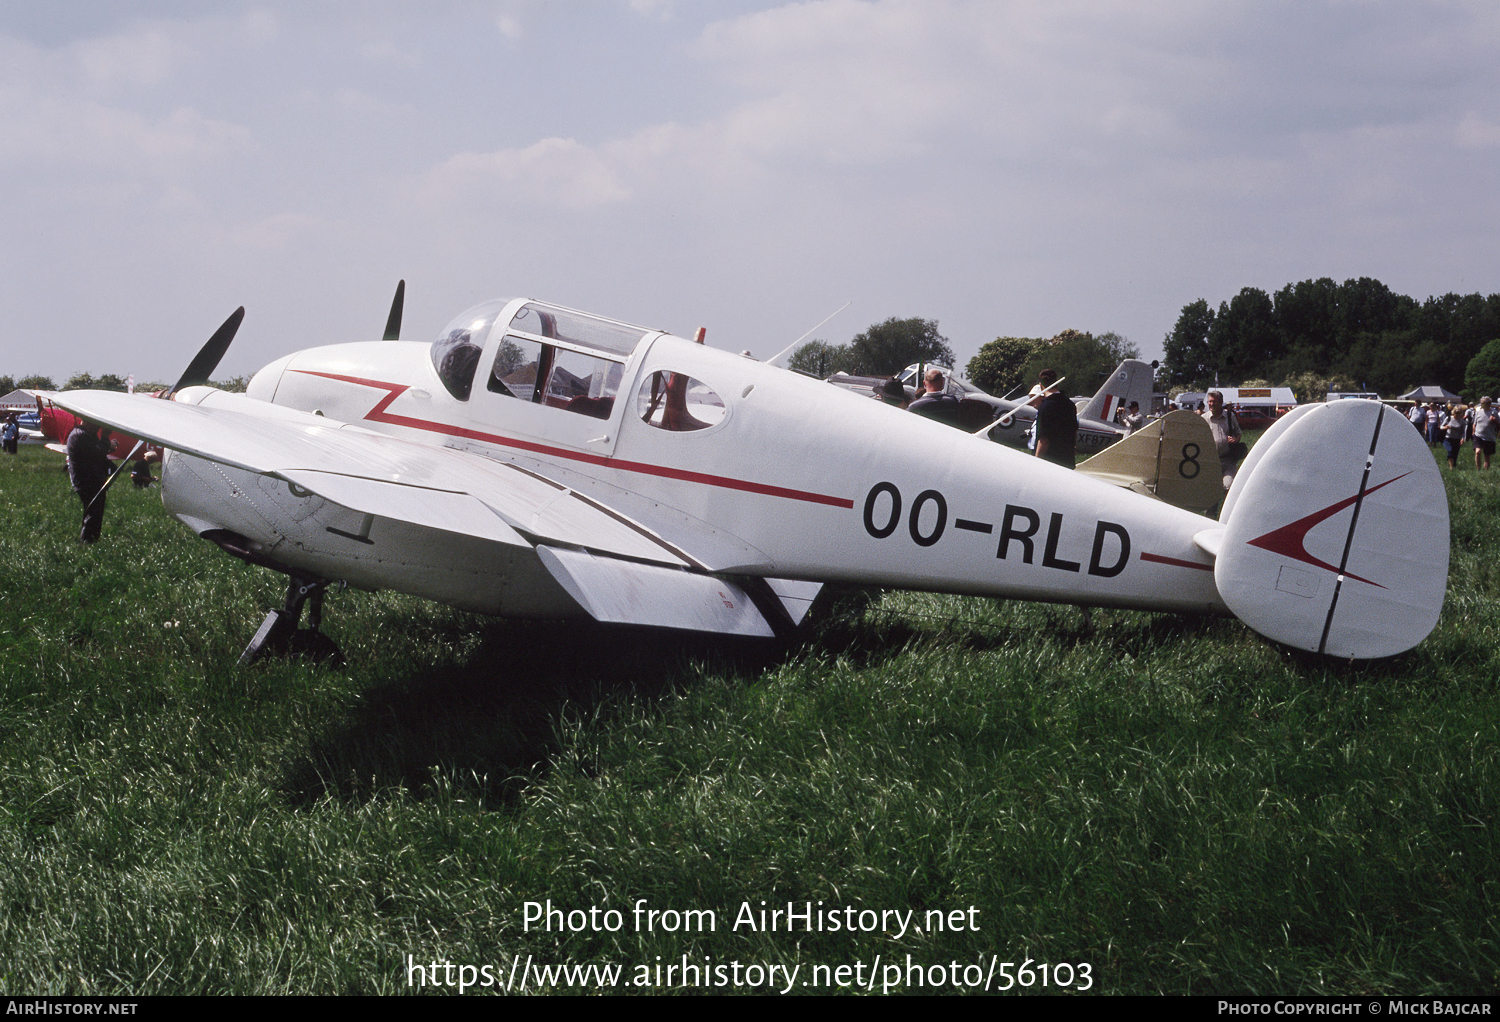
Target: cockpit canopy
x=546, y=355
x=557, y=358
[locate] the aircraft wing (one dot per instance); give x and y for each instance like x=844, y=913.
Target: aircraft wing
x=608, y=559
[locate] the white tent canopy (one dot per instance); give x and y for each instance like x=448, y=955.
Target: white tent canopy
x=1254, y=397
x=19, y=400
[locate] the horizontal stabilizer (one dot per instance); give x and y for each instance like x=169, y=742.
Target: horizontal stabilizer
x=1336, y=540
x=1266, y=442
x=1172, y=459
x=626, y=592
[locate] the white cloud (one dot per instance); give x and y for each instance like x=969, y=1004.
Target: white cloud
x=662, y=9
x=57, y=108
x=363, y=102
x=555, y=172
x=259, y=26
x=1011, y=166
x=277, y=232
x=139, y=58
x=509, y=26
x=53, y=130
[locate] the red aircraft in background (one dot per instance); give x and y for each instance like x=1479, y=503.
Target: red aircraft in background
x=56, y=423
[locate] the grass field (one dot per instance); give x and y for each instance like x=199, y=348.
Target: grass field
x=1160, y=803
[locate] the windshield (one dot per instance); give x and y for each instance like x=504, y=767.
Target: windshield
x=455, y=354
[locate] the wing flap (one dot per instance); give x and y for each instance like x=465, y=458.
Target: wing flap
x=444, y=510
x=625, y=592
x=796, y=596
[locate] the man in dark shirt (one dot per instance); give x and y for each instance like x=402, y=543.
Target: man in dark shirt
x=935, y=401
x=88, y=468
x=1056, y=422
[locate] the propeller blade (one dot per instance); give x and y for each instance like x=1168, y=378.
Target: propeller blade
x=393, y=322
x=207, y=360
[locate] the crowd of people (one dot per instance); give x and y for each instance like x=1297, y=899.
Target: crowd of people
x=1455, y=424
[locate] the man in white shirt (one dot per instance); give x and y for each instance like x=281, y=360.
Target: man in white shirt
x=1482, y=427
x=1226, y=430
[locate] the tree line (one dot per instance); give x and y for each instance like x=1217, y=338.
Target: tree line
x=883, y=350
x=1316, y=335
x=109, y=381
x=1083, y=359
x=1358, y=335
x=889, y=347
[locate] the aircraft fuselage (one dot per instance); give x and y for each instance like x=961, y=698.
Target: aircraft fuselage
x=769, y=473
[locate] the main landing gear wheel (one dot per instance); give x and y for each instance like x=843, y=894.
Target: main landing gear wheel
x=280, y=636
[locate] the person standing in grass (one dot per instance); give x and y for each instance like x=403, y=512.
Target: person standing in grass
x=1418, y=418
x=892, y=392
x=88, y=469
x=1226, y=430
x=1056, y=422
x=1435, y=416
x=1482, y=428
x=10, y=434
x=1453, y=434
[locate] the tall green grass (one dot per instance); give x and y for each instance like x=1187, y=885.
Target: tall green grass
x=1178, y=803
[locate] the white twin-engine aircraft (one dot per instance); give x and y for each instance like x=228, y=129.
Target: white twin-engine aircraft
x=536, y=461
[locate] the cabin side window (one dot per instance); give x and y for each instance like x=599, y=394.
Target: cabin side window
x=583, y=383
x=517, y=367
x=678, y=403
x=563, y=359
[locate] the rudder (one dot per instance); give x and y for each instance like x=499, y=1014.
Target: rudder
x=1336, y=534
x=1131, y=381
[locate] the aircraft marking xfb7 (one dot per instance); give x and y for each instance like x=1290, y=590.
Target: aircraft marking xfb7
x=539, y=461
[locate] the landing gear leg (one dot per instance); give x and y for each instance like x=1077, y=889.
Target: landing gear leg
x=280, y=636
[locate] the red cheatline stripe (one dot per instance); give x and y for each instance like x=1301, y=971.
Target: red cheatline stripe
x=1159, y=559
x=394, y=390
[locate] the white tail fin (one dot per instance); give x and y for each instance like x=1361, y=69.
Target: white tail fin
x=1131, y=381
x=1336, y=533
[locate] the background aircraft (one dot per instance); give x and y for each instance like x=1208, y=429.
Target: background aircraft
x=539, y=461
x=1131, y=381
x=55, y=423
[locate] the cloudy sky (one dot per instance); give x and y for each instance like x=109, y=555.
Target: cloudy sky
x=745, y=165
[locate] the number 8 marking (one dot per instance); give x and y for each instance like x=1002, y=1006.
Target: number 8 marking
x=1189, y=459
